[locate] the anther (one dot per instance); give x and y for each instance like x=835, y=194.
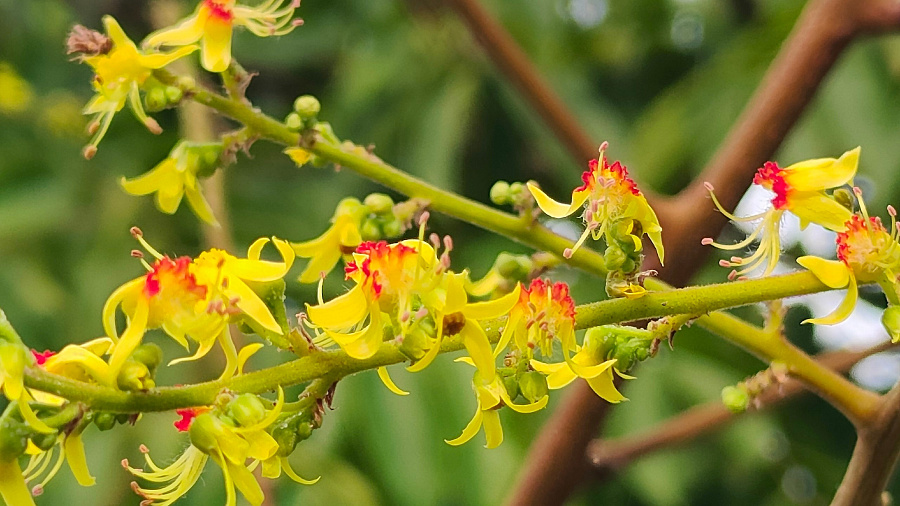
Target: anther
x=153, y=126
x=89, y=151
x=724, y=263
x=706, y=241
x=891, y=210
x=708, y=186
x=136, y=232
x=567, y=253
x=137, y=253
x=423, y=218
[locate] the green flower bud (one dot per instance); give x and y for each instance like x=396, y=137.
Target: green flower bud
x=203, y=432
x=512, y=266
x=287, y=439
x=304, y=430
x=614, y=257
x=149, y=354
x=392, y=228
x=293, y=121
x=891, y=321
x=735, y=398
x=500, y=193
x=379, y=203
x=104, y=420
x=348, y=206
x=533, y=386
x=246, y=409
x=307, y=106
x=44, y=441
x=511, y=385
x=122, y=418
x=515, y=190
x=599, y=342
x=174, y=94
x=134, y=376
x=155, y=99
x=370, y=231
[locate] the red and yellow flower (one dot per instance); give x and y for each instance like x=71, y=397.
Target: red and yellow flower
x=213, y=22
x=342, y=238
x=867, y=252
x=544, y=312
x=799, y=188
x=610, y=198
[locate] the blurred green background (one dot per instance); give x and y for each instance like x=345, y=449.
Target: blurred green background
x=662, y=80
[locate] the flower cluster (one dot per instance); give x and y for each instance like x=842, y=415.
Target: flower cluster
x=194, y=298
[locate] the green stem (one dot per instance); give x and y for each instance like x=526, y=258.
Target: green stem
x=336, y=363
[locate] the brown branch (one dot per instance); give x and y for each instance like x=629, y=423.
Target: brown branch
x=516, y=67
x=610, y=456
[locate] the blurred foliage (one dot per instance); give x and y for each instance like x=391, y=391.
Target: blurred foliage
x=662, y=80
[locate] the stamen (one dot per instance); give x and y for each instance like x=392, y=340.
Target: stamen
x=706, y=241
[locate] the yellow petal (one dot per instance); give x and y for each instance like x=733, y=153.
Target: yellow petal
x=469, y=432
x=244, y=480
x=12, y=484
x=493, y=431
x=245, y=354
x=389, y=383
x=187, y=32
x=204, y=346
x=429, y=357
x=30, y=418
x=116, y=34
x=92, y=364
x=262, y=445
x=160, y=60
x=252, y=305
x=361, y=344
x=525, y=408
x=216, y=53
x=841, y=312
x=294, y=476
x=298, y=155
x=456, y=298
x=816, y=207
x=823, y=173
x=493, y=308
x=507, y=334
x=342, y=312
x=129, y=290
x=833, y=273
x=199, y=205
x=557, y=209
x=558, y=375
x=132, y=337
x=74, y=449
x=479, y=348
x=603, y=386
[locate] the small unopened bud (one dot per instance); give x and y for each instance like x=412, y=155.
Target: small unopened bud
x=392, y=228
x=500, y=193
x=379, y=203
x=105, y=421
x=533, y=386
x=735, y=398
x=370, y=231
x=294, y=121
x=247, y=409
x=149, y=354
x=174, y=94
x=155, y=99
x=307, y=106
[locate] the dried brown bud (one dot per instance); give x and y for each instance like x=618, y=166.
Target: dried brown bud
x=84, y=42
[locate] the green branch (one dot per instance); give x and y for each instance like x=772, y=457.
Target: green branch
x=336, y=363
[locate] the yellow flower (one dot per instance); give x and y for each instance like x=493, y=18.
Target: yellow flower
x=229, y=446
x=69, y=448
x=212, y=24
x=866, y=253
x=119, y=75
x=177, y=177
x=342, y=238
x=800, y=189
x=194, y=299
x=15, y=93
x=610, y=198
x=491, y=396
x=597, y=371
x=544, y=312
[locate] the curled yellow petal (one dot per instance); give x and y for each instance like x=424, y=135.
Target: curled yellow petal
x=479, y=348
x=822, y=173
x=469, y=432
x=493, y=308
x=389, y=383
x=493, y=431
x=556, y=209
x=286, y=466
x=833, y=273
x=841, y=312
x=341, y=312
x=74, y=449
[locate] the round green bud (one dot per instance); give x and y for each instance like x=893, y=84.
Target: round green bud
x=203, y=432
x=379, y=203
x=174, y=94
x=104, y=420
x=891, y=321
x=149, y=354
x=155, y=99
x=614, y=257
x=134, y=376
x=392, y=228
x=123, y=418
x=533, y=386
x=370, y=231
x=516, y=189
x=500, y=193
x=247, y=409
x=348, y=206
x=293, y=121
x=511, y=385
x=512, y=266
x=187, y=82
x=210, y=154
x=307, y=106
x=735, y=398
x=287, y=439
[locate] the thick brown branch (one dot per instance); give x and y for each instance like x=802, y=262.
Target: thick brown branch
x=610, y=456
x=516, y=67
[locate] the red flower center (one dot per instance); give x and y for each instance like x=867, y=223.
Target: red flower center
x=41, y=356
x=771, y=176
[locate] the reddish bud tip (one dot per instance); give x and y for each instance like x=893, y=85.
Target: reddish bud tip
x=89, y=151
x=153, y=126
x=297, y=22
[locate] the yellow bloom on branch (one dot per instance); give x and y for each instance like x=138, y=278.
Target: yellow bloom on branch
x=800, y=189
x=118, y=76
x=610, y=198
x=342, y=238
x=212, y=24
